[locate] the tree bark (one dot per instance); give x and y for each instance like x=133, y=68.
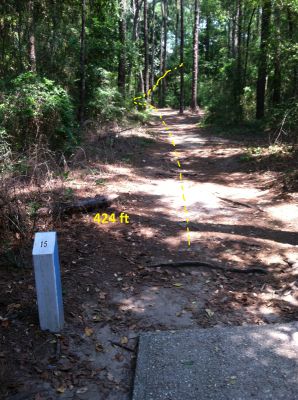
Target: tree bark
x=177, y=24
x=137, y=8
x=146, y=52
x=181, y=100
x=263, y=59
x=207, y=37
x=233, y=34
x=122, y=55
x=161, y=57
x=195, y=67
x=276, y=93
x=82, y=64
x=153, y=43
x=238, y=81
x=247, y=45
x=32, y=50
x=291, y=25
x=165, y=32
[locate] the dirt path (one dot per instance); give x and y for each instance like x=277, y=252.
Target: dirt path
x=111, y=294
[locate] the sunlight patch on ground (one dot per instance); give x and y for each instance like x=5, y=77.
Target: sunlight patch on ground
x=286, y=213
x=148, y=232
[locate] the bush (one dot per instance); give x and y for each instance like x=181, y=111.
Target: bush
x=35, y=110
x=106, y=103
x=284, y=121
x=5, y=152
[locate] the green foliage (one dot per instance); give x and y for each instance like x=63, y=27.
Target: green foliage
x=35, y=109
x=69, y=193
x=5, y=151
x=284, y=120
x=106, y=103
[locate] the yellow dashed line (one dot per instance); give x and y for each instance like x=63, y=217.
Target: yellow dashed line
x=170, y=135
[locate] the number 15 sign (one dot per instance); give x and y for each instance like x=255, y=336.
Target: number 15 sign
x=48, y=281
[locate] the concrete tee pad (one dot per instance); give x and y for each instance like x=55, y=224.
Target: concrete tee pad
x=233, y=363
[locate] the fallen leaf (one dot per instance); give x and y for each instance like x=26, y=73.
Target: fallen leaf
x=88, y=331
x=82, y=390
x=98, y=347
x=110, y=377
x=232, y=380
x=64, y=365
x=13, y=306
x=124, y=340
x=5, y=323
x=96, y=318
x=60, y=389
x=209, y=312
x=119, y=357
x=177, y=284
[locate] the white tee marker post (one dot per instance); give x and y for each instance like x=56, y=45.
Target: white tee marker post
x=48, y=281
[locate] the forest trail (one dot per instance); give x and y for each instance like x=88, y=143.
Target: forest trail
x=110, y=292
x=223, y=198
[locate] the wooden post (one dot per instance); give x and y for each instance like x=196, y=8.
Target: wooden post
x=48, y=281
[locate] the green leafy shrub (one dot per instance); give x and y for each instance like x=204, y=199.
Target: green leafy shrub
x=34, y=110
x=5, y=151
x=106, y=103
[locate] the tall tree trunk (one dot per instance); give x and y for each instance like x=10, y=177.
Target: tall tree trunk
x=146, y=52
x=207, y=37
x=165, y=32
x=247, y=45
x=177, y=24
x=19, y=30
x=153, y=44
x=276, y=94
x=238, y=81
x=32, y=50
x=195, y=67
x=122, y=55
x=137, y=8
x=161, y=57
x=291, y=25
x=137, y=4
x=263, y=59
x=233, y=33
x=82, y=64
x=181, y=100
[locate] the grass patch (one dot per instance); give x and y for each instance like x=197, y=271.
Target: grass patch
x=100, y=182
x=277, y=152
